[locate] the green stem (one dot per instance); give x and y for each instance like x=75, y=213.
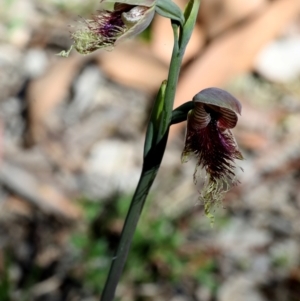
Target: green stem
x=156, y=138
x=136, y=206
x=152, y=160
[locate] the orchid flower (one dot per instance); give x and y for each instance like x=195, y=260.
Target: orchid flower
x=209, y=138
x=119, y=20
x=115, y=21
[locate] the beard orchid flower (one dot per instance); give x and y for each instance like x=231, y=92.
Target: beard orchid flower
x=209, y=138
x=115, y=21
x=119, y=20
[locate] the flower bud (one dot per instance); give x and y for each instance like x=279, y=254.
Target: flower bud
x=209, y=138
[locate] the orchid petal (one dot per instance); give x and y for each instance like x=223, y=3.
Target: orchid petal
x=200, y=117
x=219, y=98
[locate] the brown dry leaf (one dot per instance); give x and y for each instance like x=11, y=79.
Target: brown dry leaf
x=46, y=92
x=133, y=64
x=219, y=15
x=52, y=197
x=16, y=206
x=46, y=197
x=234, y=52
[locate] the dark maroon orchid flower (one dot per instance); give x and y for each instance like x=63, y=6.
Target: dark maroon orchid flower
x=208, y=136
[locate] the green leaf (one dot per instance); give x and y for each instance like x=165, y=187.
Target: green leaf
x=188, y=9
x=168, y=9
x=149, y=138
x=190, y=14
x=155, y=123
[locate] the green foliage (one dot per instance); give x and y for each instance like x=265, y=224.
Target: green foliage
x=156, y=252
x=154, y=247
x=91, y=254
x=159, y=253
x=206, y=275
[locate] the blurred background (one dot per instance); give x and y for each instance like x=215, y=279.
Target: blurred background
x=72, y=134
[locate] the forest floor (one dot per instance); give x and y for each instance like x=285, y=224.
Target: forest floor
x=72, y=133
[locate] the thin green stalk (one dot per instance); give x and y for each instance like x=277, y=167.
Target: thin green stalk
x=155, y=144
x=152, y=160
